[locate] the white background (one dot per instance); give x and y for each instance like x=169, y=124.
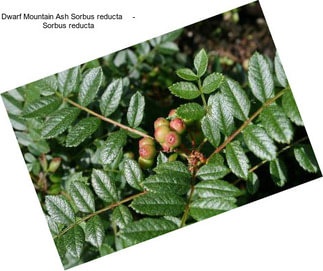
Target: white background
x=281, y=232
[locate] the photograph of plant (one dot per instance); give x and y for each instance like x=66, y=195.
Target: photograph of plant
x=161, y=135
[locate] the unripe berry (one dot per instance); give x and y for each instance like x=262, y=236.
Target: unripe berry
x=172, y=157
x=172, y=114
x=129, y=154
x=147, y=151
x=161, y=122
x=166, y=147
x=145, y=163
x=173, y=139
x=160, y=133
x=146, y=141
x=178, y=125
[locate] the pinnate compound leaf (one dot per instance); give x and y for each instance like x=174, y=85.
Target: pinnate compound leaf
x=276, y=124
x=278, y=172
x=216, y=188
x=74, y=240
x=68, y=80
x=60, y=210
x=90, y=86
x=133, y=174
x=236, y=99
x=176, y=167
x=110, y=99
x=190, y=111
x=121, y=216
x=279, y=71
x=290, y=108
x=259, y=142
x=211, y=130
x=145, y=229
x=186, y=74
x=158, y=204
x=212, y=172
x=221, y=114
x=136, y=109
x=166, y=183
x=260, y=78
x=59, y=121
x=41, y=107
x=252, y=183
x=94, y=231
x=200, y=62
x=81, y=131
x=104, y=186
x=185, y=90
x=306, y=158
x=237, y=160
x=212, y=82
x=208, y=207
x=82, y=197
x=113, y=147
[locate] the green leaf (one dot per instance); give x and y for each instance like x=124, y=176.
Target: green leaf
x=306, y=158
x=74, y=240
x=136, y=109
x=186, y=74
x=216, y=188
x=113, y=147
x=82, y=197
x=252, y=183
x=211, y=130
x=90, y=86
x=175, y=167
x=104, y=186
x=111, y=98
x=237, y=160
x=60, y=210
x=59, y=121
x=68, y=80
x=185, y=90
x=81, y=131
x=221, y=114
x=212, y=172
x=17, y=122
x=60, y=246
x=145, y=229
x=121, y=216
x=133, y=174
x=280, y=73
x=212, y=82
x=12, y=105
x=259, y=142
x=291, y=109
x=52, y=225
x=208, y=207
x=46, y=86
x=276, y=124
x=120, y=58
x=200, y=62
x=260, y=78
x=161, y=158
x=168, y=48
x=94, y=231
x=236, y=98
x=105, y=249
x=171, y=36
x=167, y=183
x=190, y=111
x=158, y=204
x=41, y=107
x=278, y=172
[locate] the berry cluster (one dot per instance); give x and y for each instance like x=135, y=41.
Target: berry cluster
x=167, y=134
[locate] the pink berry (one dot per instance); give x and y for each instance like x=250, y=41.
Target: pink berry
x=173, y=139
x=161, y=132
x=147, y=152
x=178, y=125
x=160, y=122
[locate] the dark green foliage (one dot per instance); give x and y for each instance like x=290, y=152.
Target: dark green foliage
x=103, y=187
